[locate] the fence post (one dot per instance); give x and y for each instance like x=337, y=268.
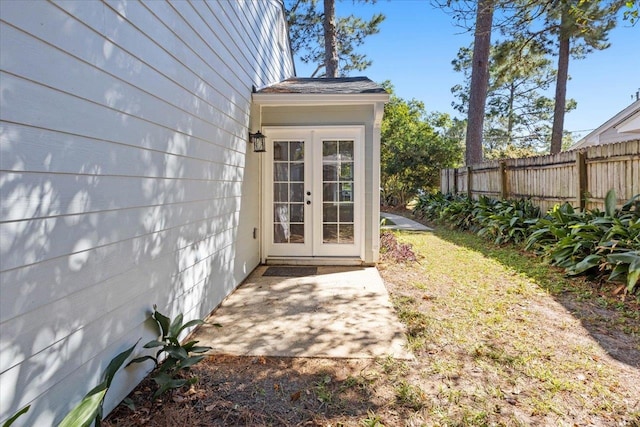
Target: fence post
x=581, y=179
x=469, y=192
x=504, y=189
x=455, y=181
x=448, y=182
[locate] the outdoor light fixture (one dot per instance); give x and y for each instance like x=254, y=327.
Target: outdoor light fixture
x=257, y=139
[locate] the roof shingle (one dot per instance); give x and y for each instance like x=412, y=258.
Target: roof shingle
x=328, y=86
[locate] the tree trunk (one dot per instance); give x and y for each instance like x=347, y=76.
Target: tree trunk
x=479, y=81
x=510, y=118
x=561, y=84
x=330, y=39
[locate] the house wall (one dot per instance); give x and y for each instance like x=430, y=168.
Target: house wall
x=609, y=136
x=126, y=180
x=624, y=126
x=343, y=115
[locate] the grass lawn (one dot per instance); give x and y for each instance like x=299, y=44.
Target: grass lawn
x=512, y=341
x=499, y=339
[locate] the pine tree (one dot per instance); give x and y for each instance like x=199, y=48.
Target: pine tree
x=518, y=116
x=580, y=26
x=479, y=81
x=334, y=54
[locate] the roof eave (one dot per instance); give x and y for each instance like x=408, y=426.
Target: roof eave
x=306, y=99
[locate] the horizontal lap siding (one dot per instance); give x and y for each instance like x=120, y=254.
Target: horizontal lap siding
x=125, y=179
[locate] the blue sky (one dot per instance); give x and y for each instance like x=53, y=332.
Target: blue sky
x=417, y=43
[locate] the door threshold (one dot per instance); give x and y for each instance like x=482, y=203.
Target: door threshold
x=347, y=261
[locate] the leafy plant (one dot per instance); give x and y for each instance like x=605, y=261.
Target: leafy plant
x=177, y=357
x=90, y=408
x=505, y=220
x=372, y=420
x=592, y=242
x=598, y=243
x=390, y=248
x=625, y=264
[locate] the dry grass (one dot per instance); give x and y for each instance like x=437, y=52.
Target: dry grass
x=504, y=349
x=499, y=339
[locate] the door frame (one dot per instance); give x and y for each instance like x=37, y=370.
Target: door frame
x=312, y=136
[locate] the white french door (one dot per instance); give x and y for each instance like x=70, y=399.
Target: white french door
x=313, y=191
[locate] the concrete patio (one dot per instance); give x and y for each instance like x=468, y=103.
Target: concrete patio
x=338, y=312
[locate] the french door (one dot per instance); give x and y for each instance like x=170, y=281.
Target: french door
x=313, y=191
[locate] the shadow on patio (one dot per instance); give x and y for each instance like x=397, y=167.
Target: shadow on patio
x=340, y=312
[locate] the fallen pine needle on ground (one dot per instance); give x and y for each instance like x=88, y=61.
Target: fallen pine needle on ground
x=499, y=339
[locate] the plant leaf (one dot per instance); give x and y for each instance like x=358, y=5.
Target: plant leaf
x=129, y=403
x=142, y=359
x=176, y=326
x=177, y=352
x=166, y=382
x=163, y=321
x=200, y=349
x=16, y=416
x=610, y=203
x=116, y=363
x=190, y=324
x=189, y=361
x=588, y=262
x=632, y=279
x=86, y=411
x=154, y=343
x=631, y=257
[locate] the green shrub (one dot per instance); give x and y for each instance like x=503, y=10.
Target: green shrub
x=592, y=242
x=600, y=244
x=506, y=221
x=178, y=357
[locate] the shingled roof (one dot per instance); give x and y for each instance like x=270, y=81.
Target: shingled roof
x=325, y=86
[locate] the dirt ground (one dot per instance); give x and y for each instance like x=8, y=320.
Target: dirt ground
x=491, y=347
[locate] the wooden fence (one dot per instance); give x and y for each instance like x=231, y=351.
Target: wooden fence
x=580, y=177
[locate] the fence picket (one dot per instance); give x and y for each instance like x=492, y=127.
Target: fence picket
x=552, y=179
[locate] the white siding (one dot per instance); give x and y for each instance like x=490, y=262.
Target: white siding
x=126, y=179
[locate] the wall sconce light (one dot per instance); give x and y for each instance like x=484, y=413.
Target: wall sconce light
x=258, y=141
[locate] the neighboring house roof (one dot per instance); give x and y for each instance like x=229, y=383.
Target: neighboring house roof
x=325, y=86
x=624, y=126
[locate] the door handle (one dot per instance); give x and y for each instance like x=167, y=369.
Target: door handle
x=308, y=202
x=308, y=193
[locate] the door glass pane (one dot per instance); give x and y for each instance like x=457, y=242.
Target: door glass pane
x=280, y=151
x=329, y=212
x=297, y=233
x=281, y=213
x=345, y=149
x=346, y=212
x=330, y=172
x=296, y=151
x=288, y=192
x=346, y=171
x=281, y=172
x=329, y=150
x=346, y=233
x=330, y=233
x=330, y=192
x=346, y=192
x=280, y=192
x=297, y=193
x=338, y=192
x=297, y=212
x=280, y=233
x=297, y=172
